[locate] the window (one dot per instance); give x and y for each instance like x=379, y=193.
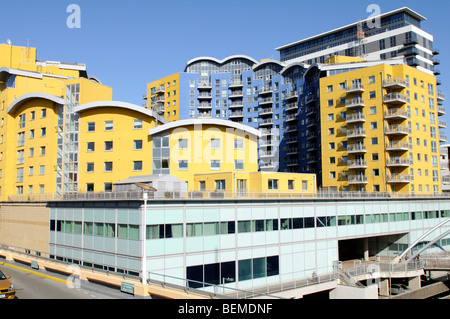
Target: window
x=238, y=165
x=371, y=79
x=108, y=166
x=42, y=170
x=215, y=144
x=43, y=132
x=374, y=140
x=372, y=95
x=304, y=185
x=137, y=145
x=90, y=146
x=137, y=124
x=182, y=144
x=373, y=110
x=215, y=165
x=238, y=144
x=91, y=127
x=42, y=151
x=290, y=185
x=220, y=185
x=137, y=166
x=330, y=88
x=183, y=165
x=43, y=113
x=273, y=184
x=330, y=102
x=108, y=125
x=90, y=167
x=108, y=146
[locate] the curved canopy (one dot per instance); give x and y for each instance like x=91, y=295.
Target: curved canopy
x=124, y=105
x=216, y=122
x=31, y=96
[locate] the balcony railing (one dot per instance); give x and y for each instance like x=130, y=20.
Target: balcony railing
x=397, y=129
x=356, y=148
x=357, y=179
x=357, y=164
x=358, y=102
x=356, y=133
x=399, y=161
x=394, y=83
x=398, y=146
x=395, y=98
x=399, y=178
x=354, y=118
x=355, y=88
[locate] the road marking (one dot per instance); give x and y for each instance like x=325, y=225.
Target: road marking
x=38, y=274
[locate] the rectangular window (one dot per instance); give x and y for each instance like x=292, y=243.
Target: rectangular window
x=108, y=166
x=273, y=184
x=137, y=166
x=108, y=125
x=238, y=144
x=108, y=146
x=238, y=165
x=90, y=146
x=137, y=145
x=91, y=127
x=215, y=165
x=137, y=124
x=182, y=144
x=220, y=185
x=215, y=144
x=183, y=165
x=90, y=167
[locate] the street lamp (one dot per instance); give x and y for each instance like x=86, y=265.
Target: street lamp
x=145, y=189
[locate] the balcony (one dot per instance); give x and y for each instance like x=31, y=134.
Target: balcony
x=159, y=90
x=292, y=106
x=266, y=154
x=357, y=179
x=443, y=138
x=310, y=98
x=412, y=40
x=265, y=122
x=397, y=146
x=292, y=140
x=354, y=88
x=355, y=118
x=236, y=83
x=396, y=115
x=160, y=99
x=292, y=151
x=204, y=106
x=204, y=85
x=440, y=96
x=442, y=124
x=291, y=95
x=436, y=62
x=204, y=95
x=236, y=114
x=266, y=111
x=356, y=149
x=237, y=93
x=267, y=100
x=204, y=115
x=356, y=133
x=395, y=99
x=159, y=109
x=357, y=102
x=410, y=51
x=292, y=117
x=394, y=84
x=357, y=164
x=237, y=104
x=291, y=128
x=399, y=178
x=266, y=132
x=397, y=130
x=292, y=163
x=437, y=72
x=266, y=89
x=398, y=162
x=441, y=110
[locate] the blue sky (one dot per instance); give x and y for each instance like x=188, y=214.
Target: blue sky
x=130, y=43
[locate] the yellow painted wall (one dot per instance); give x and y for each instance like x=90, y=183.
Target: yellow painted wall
x=258, y=182
x=123, y=153
x=170, y=106
x=334, y=129
x=199, y=153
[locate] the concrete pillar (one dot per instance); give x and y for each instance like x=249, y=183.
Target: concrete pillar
x=415, y=283
x=384, y=287
x=366, y=249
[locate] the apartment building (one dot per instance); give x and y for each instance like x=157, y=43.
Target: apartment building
x=395, y=33
x=380, y=130
x=39, y=130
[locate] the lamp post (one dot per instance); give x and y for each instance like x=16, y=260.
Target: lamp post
x=143, y=234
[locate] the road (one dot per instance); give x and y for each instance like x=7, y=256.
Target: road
x=32, y=286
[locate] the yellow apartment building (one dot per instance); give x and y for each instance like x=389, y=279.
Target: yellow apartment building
x=203, y=146
x=163, y=97
x=257, y=184
x=379, y=128
x=38, y=130
x=114, y=143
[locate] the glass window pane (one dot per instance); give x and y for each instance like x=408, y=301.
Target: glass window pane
x=244, y=226
x=88, y=228
x=273, y=266
x=122, y=231
x=259, y=268
x=98, y=229
x=133, y=232
x=152, y=231
x=245, y=269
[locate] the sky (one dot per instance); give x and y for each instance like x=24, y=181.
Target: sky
x=127, y=44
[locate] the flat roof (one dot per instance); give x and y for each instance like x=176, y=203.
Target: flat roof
x=404, y=9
